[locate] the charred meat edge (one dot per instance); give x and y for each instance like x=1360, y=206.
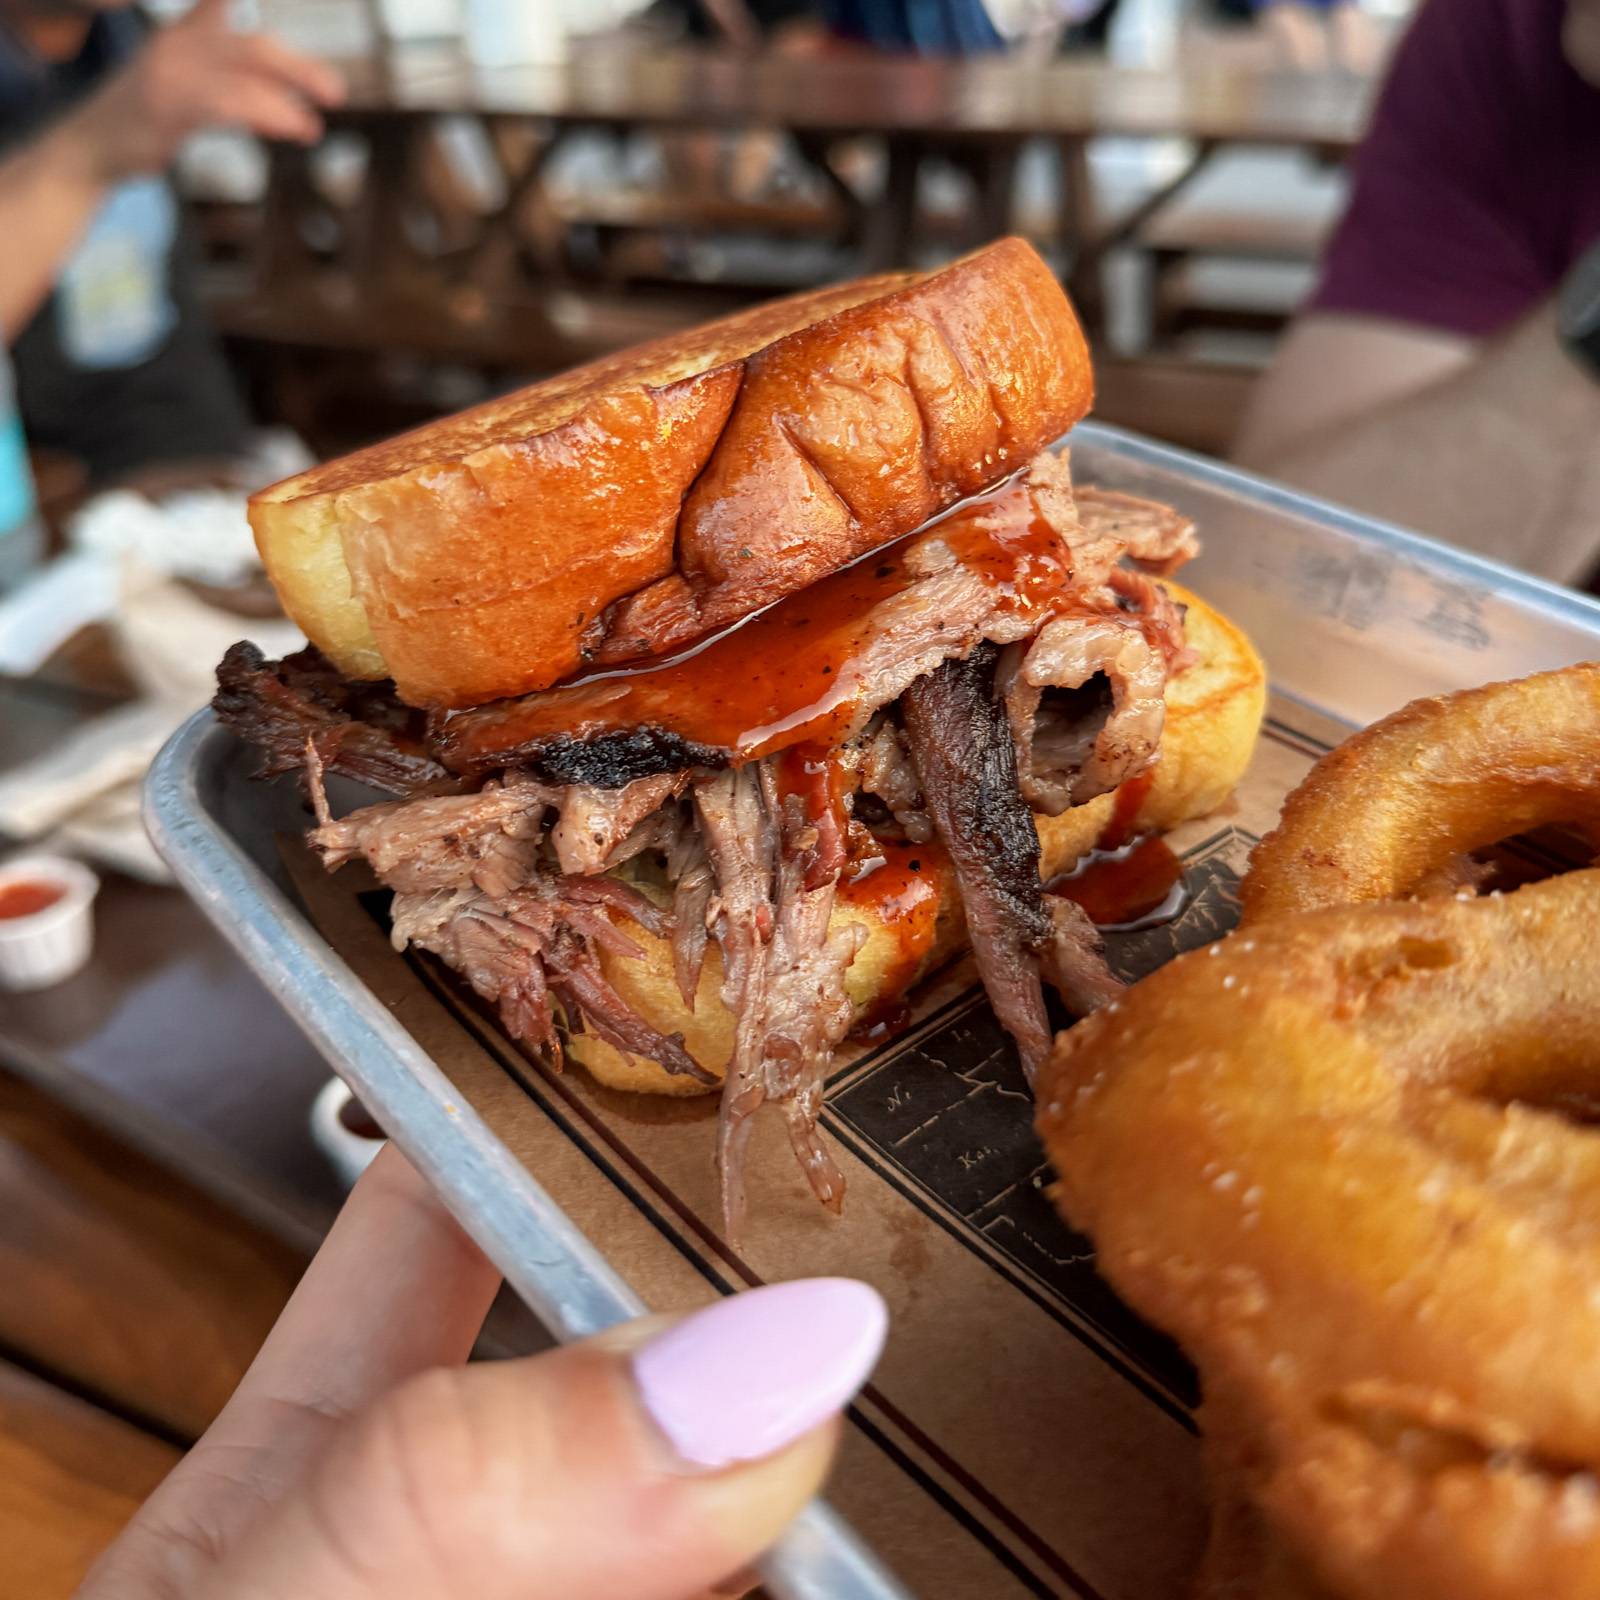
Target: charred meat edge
x=963, y=748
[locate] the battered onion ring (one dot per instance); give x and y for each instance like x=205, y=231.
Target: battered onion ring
x=1402, y=801
x=1335, y=1158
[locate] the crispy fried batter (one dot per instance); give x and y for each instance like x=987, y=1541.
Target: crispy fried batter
x=1402, y=802
x=1347, y=1157
x=1343, y=1159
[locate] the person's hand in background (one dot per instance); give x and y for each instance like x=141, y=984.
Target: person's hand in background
x=197, y=74
x=359, y=1459
x=1298, y=34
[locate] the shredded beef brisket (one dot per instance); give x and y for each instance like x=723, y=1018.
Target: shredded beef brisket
x=692, y=886
x=489, y=841
x=783, y=968
x=601, y=828
x=543, y=939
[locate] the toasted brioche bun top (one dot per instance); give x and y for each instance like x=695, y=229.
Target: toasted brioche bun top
x=693, y=479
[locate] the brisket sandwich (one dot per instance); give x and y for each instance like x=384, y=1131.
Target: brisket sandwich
x=726, y=686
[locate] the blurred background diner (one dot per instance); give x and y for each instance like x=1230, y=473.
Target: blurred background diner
x=254, y=233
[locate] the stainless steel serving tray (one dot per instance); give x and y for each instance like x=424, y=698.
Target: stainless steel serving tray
x=1352, y=616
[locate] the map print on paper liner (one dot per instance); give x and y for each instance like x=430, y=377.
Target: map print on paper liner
x=944, y=1115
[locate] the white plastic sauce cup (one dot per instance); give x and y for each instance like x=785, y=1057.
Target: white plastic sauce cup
x=348, y=1137
x=50, y=944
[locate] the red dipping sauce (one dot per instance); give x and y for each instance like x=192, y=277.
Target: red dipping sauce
x=26, y=898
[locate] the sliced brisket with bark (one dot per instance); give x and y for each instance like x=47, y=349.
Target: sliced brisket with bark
x=1070, y=749
x=602, y=760
x=1158, y=537
x=1074, y=959
x=964, y=754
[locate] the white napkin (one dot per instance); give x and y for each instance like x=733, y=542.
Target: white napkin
x=82, y=796
x=43, y=612
x=191, y=533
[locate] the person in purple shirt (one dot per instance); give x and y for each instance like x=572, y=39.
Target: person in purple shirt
x=1445, y=373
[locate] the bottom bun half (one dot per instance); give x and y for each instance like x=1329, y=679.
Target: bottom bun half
x=1214, y=710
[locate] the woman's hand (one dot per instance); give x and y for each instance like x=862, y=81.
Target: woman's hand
x=360, y=1458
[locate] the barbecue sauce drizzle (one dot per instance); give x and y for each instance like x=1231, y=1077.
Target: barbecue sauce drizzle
x=782, y=677
x=1124, y=883
x=898, y=888
x=778, y=682
x=1137, y=886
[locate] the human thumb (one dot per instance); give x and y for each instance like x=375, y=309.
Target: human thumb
x=651, y=1462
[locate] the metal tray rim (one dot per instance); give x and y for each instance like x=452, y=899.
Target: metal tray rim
x=1465, y=565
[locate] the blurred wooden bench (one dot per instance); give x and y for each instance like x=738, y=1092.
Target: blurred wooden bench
x=538, y=272
x=654, y=210
x=1181, y=243
x=133, y=1303
x=1180, y=234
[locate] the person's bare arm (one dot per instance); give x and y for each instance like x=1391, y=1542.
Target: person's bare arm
x=1490, y=446
x=734, y=23
x=48, y=193
x=195, y=74
x=1332, y=368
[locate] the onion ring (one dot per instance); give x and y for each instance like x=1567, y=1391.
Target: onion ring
x=1398, y=804
x=1341, y=1158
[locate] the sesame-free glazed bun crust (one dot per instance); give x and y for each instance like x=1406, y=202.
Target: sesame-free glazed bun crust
x=693, y=479
x=1214, y=711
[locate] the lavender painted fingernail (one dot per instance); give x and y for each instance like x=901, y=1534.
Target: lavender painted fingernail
x=752, y=1373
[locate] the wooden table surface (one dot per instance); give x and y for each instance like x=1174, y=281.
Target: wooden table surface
x=132, y=1304
x=70, y=1476
x=159, y=1194
x=624, y=81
